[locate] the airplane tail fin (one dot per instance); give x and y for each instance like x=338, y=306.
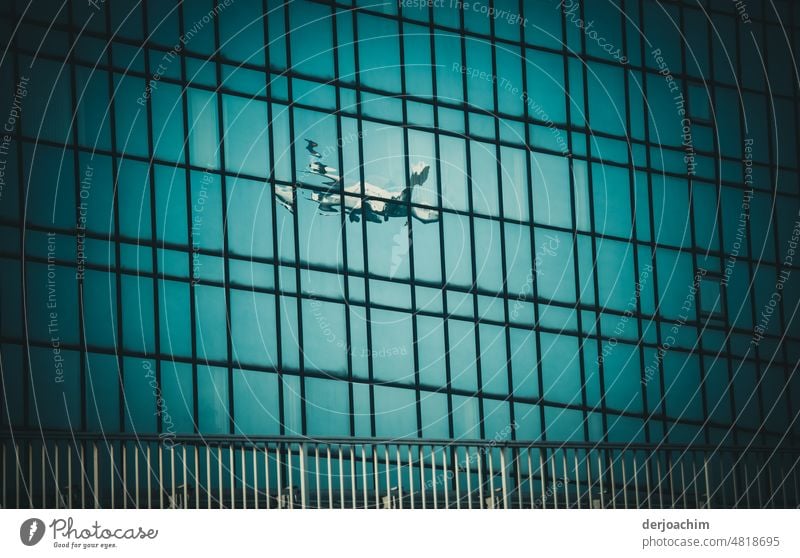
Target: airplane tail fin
x=419, y=174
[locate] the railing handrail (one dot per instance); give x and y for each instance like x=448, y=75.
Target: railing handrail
x=248, y=441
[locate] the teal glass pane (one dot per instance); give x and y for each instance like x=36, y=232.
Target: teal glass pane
x=396, y=415
x=524, y=363
x=466, y=418
x=246, y=139
x=494, y=374
x=241, y=32
x=212, y=399
x=463, y=361
x=327, y=407
x=54, y=394
x=616, y=275
x=324, y=336
x=379, y=53
x=546, y=99
x=488, y=255
x=257, y=409
x=622, y=376
x=102, y=392
x=612, y=200
x=560, y=368
x=551, y=190
x=177, y=401
x=204, y=148
x=209, y=314
x=431, y=351
x=141, y=390
x=392, y=347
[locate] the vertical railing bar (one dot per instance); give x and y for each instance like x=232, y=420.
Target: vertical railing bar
x=422, y=474
x=434, y=482
x=503, y=479
x=303, y=480
x=69, y=476
x=220, y=488
x=364, y=476
x=542, y=478
x=17, y=473
x=83, y=475
x=624, y=480
x=160, y=478
x=589, y=478
x=375, y=459
x=694, y=482
x=671, y=469
x=636, y=480
x=95, y=476
x=197, y=476
x=5, y=472
x=480, y=478
x=554, y=477
x=208, y=476
x=410, y=476
x=757, y=482
x=255, y=477
x=341, y=479
x=746, y=485
x=530, y=477
x=185, y=479
x=149, y=479
x=566, y=477
x=445, y=480
x=44, y=478
x=136, y=473
x=683, y=485
x=58, y=487
x=232, y=466
x=124, y=445
x=722, y=476
x=456, y=472
x=172, y=476
x=399, y=477
x=330, y=477
x=658, y=486
x=289, y=476
x=708, y=485
x=735, y=479
x=517, y=453
x=468, y=467
x=600, y=475
x=266, y=476
x=29, y=484
x=388, y=476
x=647, y=478
x=317, y=474
x=111, y=476
x=244, y=477
x=353, y=488
x=490, y=463
x=611, y=480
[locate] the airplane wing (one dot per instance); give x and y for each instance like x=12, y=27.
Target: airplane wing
x=366, y=209
x=369, y=212
x=285, y=196
x=425, y=215
x=310, y=147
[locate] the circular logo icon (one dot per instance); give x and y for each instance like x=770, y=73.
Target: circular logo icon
x=31, y=531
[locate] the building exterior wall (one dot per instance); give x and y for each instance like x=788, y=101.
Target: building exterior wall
x=609, y=253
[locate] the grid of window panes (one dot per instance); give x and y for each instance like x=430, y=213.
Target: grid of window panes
x=569, y=240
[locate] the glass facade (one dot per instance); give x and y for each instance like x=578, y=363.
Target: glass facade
x=404, y=220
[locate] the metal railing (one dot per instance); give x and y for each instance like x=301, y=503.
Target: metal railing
x=61, y=470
